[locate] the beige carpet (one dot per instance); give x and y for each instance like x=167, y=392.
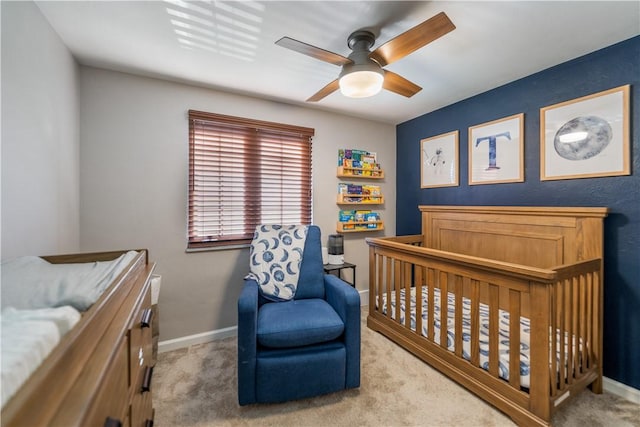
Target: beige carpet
x=196, y=386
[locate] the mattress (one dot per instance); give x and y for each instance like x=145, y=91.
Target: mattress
x=504, y=352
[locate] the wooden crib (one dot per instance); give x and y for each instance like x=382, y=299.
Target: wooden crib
x=527, y=270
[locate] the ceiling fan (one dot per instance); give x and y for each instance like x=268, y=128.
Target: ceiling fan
x=362, y=72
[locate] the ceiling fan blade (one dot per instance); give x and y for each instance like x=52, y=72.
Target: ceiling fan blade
x=413, y=39
x=312, y=51
x=398, y=84
x=325, y=91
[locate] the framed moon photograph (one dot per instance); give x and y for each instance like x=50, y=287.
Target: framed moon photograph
x=586, y=137
x=439, y=161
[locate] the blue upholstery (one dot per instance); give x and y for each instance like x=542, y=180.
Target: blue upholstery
x=300, y=348
x=298, y=323
x=311, y=280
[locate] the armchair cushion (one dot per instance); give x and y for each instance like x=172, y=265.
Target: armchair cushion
x=298, y=323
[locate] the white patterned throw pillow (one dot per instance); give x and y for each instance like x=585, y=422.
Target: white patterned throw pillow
x=275, y=259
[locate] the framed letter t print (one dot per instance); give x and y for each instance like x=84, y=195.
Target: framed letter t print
x=586, y=137
x=496, y=151
x=439, y=161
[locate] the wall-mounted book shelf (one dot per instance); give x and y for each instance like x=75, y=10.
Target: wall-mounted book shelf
x=360, y=165
x=359, y=199
x=347, y=172
x=357, y=226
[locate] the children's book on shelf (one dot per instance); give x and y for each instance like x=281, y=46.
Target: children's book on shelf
x=369, y=158
x=372, y=217
x=371, y=190
x=347, y=216
x=357, y=189
x=354, y=189
x=359, y=159
x=359, y=215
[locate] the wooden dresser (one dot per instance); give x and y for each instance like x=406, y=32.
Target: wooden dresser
x=141, y=362
x=100, y=374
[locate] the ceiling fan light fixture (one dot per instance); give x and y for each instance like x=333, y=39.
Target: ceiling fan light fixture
x=362, y=73
x=361, y=84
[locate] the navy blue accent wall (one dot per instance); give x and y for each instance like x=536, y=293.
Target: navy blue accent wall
x=611, y=67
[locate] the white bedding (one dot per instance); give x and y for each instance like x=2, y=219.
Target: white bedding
x=28, y=336
x=31, y=282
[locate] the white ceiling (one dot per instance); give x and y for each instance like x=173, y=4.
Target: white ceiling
x=230, y=45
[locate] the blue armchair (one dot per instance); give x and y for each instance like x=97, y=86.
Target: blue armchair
x=300, y=348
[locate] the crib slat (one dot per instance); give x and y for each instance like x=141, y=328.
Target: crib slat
x=589, y=314
x=555, y=327
x=419, y=285
x=397, y=285
x=494, y=343
x=475, y=323
x=514, y=338
x=596, y=319
x=380, y=275
x=566, y=339
x=388, y=282
x=406, y=278
x=433, y=277
x=374, y=258
x=560, y=335
x=583, y=320
x=458, y=315
x=444, y=309
x=574, y=331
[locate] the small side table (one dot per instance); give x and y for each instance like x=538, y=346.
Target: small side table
x=336, y=270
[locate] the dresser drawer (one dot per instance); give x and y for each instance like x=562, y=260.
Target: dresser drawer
x=140, y=341
x=142, y=412
x=111, y=400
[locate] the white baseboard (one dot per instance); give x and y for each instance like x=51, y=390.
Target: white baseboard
x=364, y=297
x=622, y=390
x=201, y=338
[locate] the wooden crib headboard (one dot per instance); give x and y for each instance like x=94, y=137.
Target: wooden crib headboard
x=542, y=237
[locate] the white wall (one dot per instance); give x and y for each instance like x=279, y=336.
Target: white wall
x=40, y=136
x=134, y=175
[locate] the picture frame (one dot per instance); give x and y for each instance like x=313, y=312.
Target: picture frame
x=496, y=151
x=439, y=160
x=586, y=137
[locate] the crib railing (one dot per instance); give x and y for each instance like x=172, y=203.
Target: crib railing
x=575, y=313
x=565, y=299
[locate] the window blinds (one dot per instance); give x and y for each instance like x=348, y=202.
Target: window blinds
x=242, y=173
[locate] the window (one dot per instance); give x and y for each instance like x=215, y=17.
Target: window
x=242, y=173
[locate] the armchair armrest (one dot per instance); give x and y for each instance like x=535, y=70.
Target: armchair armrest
x=345, y=300
x=342, y=297
x=247, y=341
